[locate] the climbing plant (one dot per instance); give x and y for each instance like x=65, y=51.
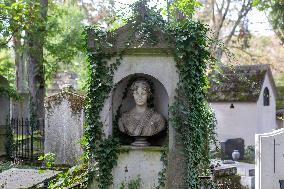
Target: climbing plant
x=98, y=147
x=190, y=112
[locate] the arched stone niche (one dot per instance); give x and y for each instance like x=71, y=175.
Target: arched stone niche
x=145, y=161
x=123, y=101
x=161, y=69
x=158, y=67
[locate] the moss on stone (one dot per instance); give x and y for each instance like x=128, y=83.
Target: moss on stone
x=76, y=101
x=240, y=83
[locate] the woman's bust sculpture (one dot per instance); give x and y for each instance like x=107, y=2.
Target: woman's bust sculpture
x=141, y=121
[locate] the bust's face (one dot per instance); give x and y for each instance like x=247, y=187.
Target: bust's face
x=140, y=94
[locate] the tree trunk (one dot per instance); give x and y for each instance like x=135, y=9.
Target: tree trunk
x=20, y=65
x=35, y=37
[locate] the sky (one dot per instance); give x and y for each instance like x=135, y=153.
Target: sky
x=258, y=22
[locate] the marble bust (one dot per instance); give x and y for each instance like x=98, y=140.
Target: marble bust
x=141, y=121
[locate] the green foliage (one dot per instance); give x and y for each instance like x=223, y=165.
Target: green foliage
x=13, y=17
x=135, y=183
x=48, y=159
x=162, y=174
x=249, y=156
x=215, y=153
x=191, y=114
x=232, y=182
x=275, y=9
x=7, y=66
x=75, y=177
x=105, y=157
x=184, y=8
x=102, y=150
x=9, y=143
x=64, y=42
x=132, y=184
x=5, y=165
x=7, y=70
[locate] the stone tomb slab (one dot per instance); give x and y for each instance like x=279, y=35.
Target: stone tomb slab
x=24, y=178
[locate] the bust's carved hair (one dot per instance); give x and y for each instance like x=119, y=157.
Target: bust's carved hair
x=142, y=81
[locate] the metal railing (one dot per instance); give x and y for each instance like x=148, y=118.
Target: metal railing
x=28, y=138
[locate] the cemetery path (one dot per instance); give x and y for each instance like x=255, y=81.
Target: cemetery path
x=24, y=178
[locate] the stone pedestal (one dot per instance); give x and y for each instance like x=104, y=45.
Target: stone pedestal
x=138, y=161
x=134, y=162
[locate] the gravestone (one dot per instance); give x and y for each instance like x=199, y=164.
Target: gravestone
x=269, y=167
x=64, y=119
x=230, y=145
x=4, y=113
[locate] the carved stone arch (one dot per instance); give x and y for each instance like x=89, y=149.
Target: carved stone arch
x=160, y=67
x=122, y=101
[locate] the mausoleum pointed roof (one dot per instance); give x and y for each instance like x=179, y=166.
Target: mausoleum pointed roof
x=241, y=83
x=143, y=33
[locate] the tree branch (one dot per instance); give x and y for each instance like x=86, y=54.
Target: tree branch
x=242, y=13
x=223, y=19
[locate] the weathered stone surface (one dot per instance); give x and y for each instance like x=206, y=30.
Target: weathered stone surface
x=64, y=121
x=230, y=145
x=134, y=162
x=225, y=171
x=248, y=182
x=24, y=178
x=162, y=68
x=4, y=114
x=176, y=169
x=269, y=151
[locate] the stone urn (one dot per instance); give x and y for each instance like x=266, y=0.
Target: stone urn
x=236, y=155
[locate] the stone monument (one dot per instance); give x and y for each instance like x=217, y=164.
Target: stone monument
x=228, y=147
x=141, y=121
x=269, y=155
x=155, y=62
x=64, y=119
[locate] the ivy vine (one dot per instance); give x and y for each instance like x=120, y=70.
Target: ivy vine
x=100, y=76
x=190, y=112
x=192, y=117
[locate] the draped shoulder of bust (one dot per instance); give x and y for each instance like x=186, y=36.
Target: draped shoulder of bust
x=149, y=123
